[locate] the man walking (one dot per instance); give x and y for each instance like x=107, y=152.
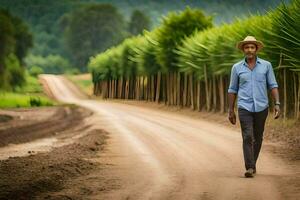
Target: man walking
x=250, y=80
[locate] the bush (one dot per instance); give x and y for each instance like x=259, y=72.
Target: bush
x=15, y=73
x=35, y=101
x=35, y=71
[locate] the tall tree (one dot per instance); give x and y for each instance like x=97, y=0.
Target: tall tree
x=174, y=28
x=138, y=22
x=24, y=39
x=6, y=38
x=15, y=40
x=92, y=29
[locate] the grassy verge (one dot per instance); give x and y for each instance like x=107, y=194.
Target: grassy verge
x=15, y=100
x=30, y=95
x=83, y=81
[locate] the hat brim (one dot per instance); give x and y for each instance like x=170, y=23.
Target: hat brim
x=259, y=44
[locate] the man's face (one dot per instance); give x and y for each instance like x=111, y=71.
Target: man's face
x=250, y=50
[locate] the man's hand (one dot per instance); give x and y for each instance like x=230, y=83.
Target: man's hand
x=276, y=111
x=232, y=117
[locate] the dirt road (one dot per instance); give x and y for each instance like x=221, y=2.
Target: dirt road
x=153, y=154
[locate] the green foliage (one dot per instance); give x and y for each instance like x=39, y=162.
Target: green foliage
x=73, y=71
x=216, y=47
x=83, y=81
x=31, y=85
x=178, y=45
x=48, y=20
x=14, y=100
x=93, y=29
x=28, y=95
x=121, y=61
x=23, y=38
x=7, y=40
x=146, y=57
x=138, y=22
x=35, y=101
x=35, y=71
x=174, y=28
x=15, y=41
x=286, y=34
x=54, y=64
x=15, y=73
x=105, y=65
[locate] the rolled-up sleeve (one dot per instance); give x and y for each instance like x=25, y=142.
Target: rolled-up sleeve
x=271, y=80
x=234, y=81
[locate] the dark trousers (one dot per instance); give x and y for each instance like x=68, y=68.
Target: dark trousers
x=252, y=125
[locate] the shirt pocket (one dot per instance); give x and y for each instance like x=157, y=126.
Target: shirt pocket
x=260, y=77
x=244, y=77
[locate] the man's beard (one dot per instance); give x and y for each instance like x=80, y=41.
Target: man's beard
x=250, y=55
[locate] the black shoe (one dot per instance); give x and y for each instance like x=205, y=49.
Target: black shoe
x=254, y=171
x=249, y=173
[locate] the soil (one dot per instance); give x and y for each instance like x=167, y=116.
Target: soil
x=137, y=150
x=49, y=170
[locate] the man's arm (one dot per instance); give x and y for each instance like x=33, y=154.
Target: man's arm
x=275, y=96
x=231, y=113
x=232, y=91
x=273, y=86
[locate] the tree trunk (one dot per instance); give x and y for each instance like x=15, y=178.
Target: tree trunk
x=298, y=102
x=99, y=90
x=168, y=88
x=175, y=88
x=207, y=89
x=112, y=88
x=148, y=88
x=137, y=92
x=214, y=93
x=158, y=87
x=185, y=90
x=171, y=88
x=198, y=95
x=164, y=86
x=295, y=94
x=120, y=88
x=134, y=87
x=221, y=89
x=130, y=88
x=143, y=88
x=105, y=89
x=284, y=94
x=94, y=88
x=152, y=88
x=109, y=89
x=101, y=87
x=210, y=93
x=192, y=91
x=178, y=89
x=126, y=89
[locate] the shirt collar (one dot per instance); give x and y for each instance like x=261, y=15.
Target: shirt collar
x=257, y=61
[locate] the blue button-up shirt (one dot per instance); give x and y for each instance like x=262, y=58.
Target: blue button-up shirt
x=251, y=85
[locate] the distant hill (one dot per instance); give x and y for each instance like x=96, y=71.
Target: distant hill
x=45, y=12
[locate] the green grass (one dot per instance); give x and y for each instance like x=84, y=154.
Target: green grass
x=30, y=95
x=15, y=100
x=32, y=86
x=83, y=81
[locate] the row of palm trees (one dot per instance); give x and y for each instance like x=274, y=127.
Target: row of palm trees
x=187, y=63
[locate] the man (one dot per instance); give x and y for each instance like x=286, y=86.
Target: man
x=250, y=80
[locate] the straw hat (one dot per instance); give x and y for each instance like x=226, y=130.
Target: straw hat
x=250, y=40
